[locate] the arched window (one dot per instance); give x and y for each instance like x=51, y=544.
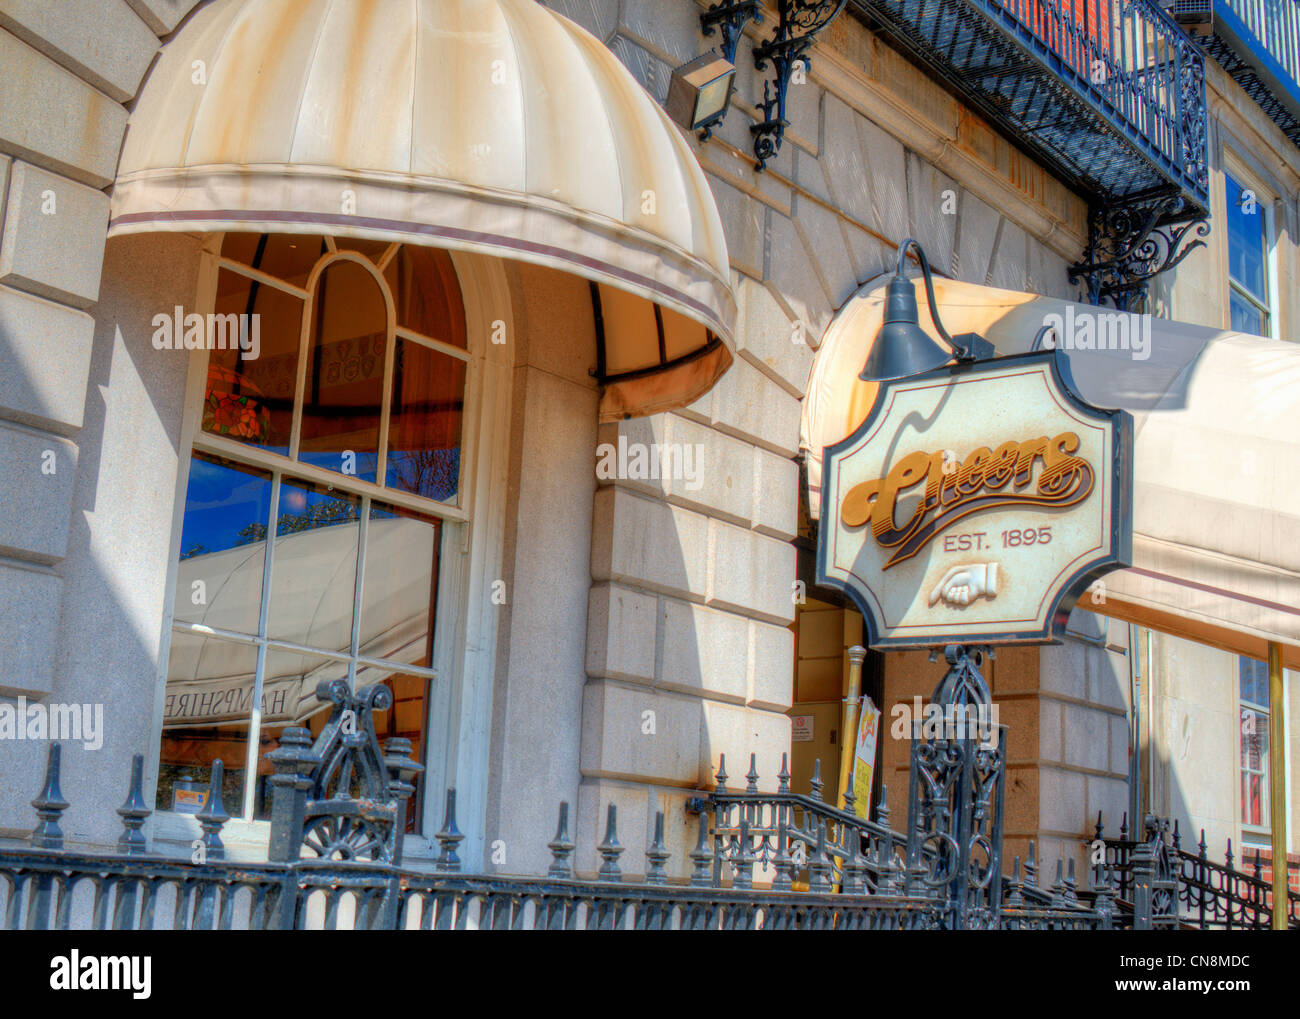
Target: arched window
x=328, y=455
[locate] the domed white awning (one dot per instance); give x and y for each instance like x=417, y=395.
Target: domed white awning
x=492, y=126
x=1216, y=518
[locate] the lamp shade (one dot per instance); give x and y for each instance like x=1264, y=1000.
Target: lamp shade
x=902, y=347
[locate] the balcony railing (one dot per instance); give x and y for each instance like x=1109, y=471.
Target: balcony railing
x=1109, y=94
x=1258, y=43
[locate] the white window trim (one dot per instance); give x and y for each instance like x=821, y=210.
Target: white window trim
x=1267, y=198
x=470, y=561
x=1248, y=835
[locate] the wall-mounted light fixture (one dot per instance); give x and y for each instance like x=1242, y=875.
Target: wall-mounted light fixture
x=902, y=348
x=700, y=92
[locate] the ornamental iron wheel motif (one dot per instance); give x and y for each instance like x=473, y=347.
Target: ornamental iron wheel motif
x=356, y=792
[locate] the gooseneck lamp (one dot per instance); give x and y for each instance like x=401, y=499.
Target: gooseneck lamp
x=902, y=348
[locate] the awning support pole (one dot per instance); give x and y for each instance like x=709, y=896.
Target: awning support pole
x=849, y=719
x=1277, y=784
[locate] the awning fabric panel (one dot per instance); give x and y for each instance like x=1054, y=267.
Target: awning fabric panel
x=1217, y=453
x=493, y=126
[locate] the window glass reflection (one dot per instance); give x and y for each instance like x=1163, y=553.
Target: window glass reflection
x=424, y=434
x=250, y=391
x=223, y=545
x=345, y=373
x=313, y=579
x=206, y=715
x=426, y=294
x=1246, y=241
x=399, y=587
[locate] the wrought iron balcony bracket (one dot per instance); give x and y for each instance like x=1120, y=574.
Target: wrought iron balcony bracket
x=798, y=24
x=1130, y=245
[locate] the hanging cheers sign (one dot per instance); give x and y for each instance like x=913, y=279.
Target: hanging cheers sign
x=976, y=504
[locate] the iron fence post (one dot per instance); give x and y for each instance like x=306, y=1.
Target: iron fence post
x=293, y=760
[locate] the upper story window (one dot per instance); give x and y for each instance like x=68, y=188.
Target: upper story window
x=327, y=456
x=1252, y=683
x=1249, y=257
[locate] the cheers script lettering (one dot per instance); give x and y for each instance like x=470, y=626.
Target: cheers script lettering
x=986, y=479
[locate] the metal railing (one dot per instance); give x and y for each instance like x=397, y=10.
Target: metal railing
x=334, y=856
x=1110, y=94
x=770, y=861
x=1210, y=895
x=1275, y=25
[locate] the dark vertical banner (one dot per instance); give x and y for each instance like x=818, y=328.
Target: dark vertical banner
x=206, y=973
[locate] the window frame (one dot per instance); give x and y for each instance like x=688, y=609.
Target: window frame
x=1266, y=197
x=1252, y=833
x=458, y=704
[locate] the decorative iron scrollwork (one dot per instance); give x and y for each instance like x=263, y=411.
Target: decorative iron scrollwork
x=1130, y=245
x=730, y=18
x=955, y=796
x=354, y=807
x=797, y=27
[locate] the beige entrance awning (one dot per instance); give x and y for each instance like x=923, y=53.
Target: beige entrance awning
x=1216, y=529
x=491, y=126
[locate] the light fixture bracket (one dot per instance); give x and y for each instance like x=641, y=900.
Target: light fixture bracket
x=799, y=22
x=730, y=18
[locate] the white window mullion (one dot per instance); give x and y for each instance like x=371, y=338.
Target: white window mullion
x=357, y=589
x=263, y=616
x=386, y=398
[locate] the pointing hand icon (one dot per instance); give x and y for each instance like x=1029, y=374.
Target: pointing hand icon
x=961, y=585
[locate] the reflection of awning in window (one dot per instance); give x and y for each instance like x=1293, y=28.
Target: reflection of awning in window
x=492, y=126
x=213, y=674
x=1216, y=542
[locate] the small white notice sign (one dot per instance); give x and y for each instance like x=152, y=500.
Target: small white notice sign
x=802, y=728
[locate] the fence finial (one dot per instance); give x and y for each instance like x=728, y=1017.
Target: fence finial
x=1015, y=897
x=702, y=856
x=50, y=805
x=657, y=855
x=561, y=847
x=213, y=815
x=134, y=811
x=610, y=850
x=751, y=779
x=721, y=776
x=449, y=838
x=816, y=783
x=783, y=776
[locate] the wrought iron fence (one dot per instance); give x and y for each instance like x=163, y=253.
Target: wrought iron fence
x=1210, y=895
x=334, y=857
